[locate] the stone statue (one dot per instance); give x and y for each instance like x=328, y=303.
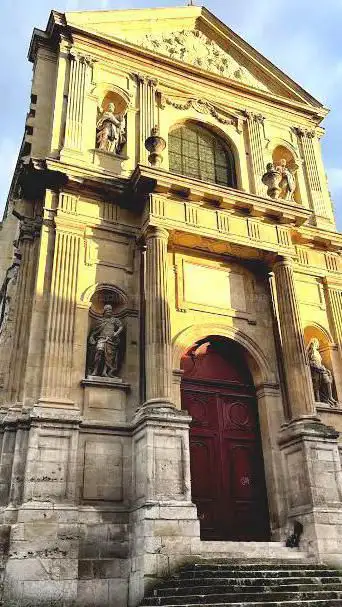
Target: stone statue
x=280, y=180
x=104, y=345
x=111, y=131
x=322, y=378
x=288, y=182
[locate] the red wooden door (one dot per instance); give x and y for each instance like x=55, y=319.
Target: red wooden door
x=227, y=474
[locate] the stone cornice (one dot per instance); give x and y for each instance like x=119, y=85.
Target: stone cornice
x=319, y=238
x=148, y=180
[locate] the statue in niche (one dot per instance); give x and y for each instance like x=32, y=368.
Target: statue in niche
x=322, y=378
x=105, y=345
x=288, y=182
x=280, y=180
x=111, y=131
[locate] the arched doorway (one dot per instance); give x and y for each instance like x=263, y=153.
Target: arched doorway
x=227, y=471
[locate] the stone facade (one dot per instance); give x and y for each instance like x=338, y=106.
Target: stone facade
x=95, y=481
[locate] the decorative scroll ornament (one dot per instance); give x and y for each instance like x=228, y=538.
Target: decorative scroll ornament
x=195, y=48
x=202, y=106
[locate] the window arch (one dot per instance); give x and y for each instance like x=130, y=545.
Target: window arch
x=196, y=152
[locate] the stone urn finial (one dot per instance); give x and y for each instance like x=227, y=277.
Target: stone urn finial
x=272, y=179
x=155, y=144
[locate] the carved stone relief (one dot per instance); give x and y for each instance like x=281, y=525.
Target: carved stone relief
x=202, y=106
x=197, y=49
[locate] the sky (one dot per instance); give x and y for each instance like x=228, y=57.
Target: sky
x=301, y=37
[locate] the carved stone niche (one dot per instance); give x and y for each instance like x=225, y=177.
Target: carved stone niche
x=105, y=391
x=111, y=131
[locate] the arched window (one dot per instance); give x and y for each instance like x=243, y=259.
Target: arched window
x=196, y=152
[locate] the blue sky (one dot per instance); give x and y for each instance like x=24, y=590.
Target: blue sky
x=302, y=37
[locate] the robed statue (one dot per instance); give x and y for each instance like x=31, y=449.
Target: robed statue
x=105, y=345
x=111, y=131
x=322, y=378
x=288, y=182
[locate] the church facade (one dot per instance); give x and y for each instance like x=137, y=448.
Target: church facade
x=171, y=312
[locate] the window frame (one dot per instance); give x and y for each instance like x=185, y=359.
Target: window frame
x=218, y=145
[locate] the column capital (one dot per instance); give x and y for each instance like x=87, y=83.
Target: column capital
x=281, y=261
x=156, y=232
x=30, y=228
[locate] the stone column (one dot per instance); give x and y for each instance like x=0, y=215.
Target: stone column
x=296, y=366
x=147, y=97
x=255, y=136
x=80, y=72
x=58, y=358
x=319, y=202
x=28, y=242
x=157, y=319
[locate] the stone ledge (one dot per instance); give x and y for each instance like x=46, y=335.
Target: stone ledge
x=105, y=382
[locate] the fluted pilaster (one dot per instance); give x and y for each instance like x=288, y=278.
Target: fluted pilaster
x=80, y=67
x=157, y=322
x=58, y=359
x=255, y=137
x=316, y=195
x=147, y=103
x=28, y=242
x=333, y=295
x=296, y=366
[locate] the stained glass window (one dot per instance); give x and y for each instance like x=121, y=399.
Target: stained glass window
x=198, y=153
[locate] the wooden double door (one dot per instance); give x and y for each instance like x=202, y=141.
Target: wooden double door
x=227, y=472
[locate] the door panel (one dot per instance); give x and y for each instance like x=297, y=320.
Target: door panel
x=227, y=475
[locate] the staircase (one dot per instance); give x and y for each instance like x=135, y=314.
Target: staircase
x=250, y=583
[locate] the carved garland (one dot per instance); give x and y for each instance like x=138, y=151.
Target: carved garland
x=202, y=106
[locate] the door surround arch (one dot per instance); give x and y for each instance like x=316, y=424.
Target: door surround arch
x=269, y=402
x=258, y=363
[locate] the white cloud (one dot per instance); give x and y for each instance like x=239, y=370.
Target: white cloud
x=8, y=159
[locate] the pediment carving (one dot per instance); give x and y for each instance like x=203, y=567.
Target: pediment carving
x=195, y=48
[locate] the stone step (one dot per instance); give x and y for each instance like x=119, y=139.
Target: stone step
x=239, y=588
x=255, y=598
x=292, y=603
x=255, y=564
x=273, y=550
x=255, y=572
x=248, y=583
x=174, y=582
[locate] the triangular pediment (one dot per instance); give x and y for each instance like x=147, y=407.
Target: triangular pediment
x=193, y=36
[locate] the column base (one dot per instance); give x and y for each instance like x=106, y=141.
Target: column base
x=160, y=406
x=314, y=485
